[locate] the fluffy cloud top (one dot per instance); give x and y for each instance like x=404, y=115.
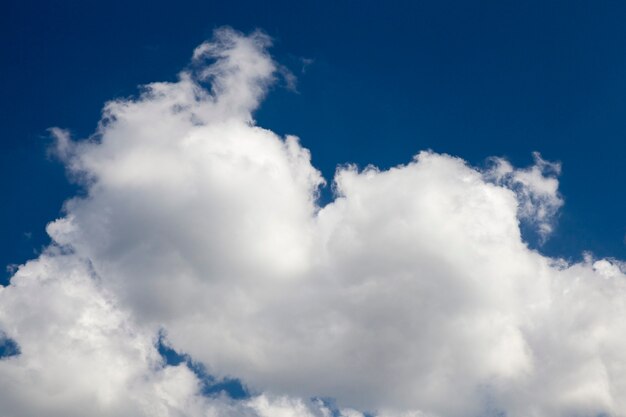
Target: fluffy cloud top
x=411, y=294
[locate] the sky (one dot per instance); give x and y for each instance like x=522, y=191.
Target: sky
x=281, y=209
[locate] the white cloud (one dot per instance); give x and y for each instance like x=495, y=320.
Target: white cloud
x=536, y=188
x=411, y=294
x=78, y=351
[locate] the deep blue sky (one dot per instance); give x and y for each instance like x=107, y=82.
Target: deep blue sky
x=469, y=78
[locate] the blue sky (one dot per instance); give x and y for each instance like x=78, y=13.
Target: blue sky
x=445, y=236
x=469, y=78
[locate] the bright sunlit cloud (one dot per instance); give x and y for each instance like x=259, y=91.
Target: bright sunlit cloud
x=412, y=293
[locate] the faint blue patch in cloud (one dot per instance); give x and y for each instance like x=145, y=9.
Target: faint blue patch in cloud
x=210, y=385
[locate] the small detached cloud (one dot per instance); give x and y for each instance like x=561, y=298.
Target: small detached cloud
x=412, y=293
x=536, y=188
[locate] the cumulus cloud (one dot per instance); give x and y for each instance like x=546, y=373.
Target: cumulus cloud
x=412, y=293
x=78, y=351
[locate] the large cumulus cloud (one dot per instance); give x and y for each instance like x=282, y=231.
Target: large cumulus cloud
x=411, y=293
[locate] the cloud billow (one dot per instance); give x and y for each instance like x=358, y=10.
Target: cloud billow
x=412, y=293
